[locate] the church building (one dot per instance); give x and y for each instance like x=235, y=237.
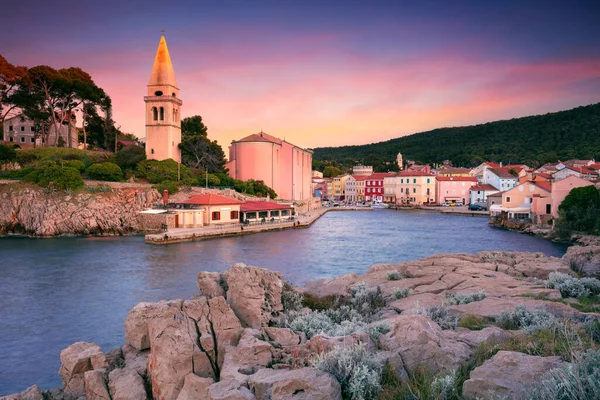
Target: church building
x=163, y=109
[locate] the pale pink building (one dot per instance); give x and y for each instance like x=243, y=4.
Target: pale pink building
x=282, y=166
x=453, y=189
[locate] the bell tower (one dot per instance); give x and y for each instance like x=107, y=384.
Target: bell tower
x=163, y=109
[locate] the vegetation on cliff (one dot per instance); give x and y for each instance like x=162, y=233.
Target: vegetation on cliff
x=530, y=140
x=579, y=212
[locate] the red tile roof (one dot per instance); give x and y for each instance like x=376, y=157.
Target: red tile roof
x=492, y=164
x=263, y=206
x=484, y=187
x=260, y=137
x=502, y=173
x=542, y=175
x=547, y=186
x=456, y=178
x=211, y=200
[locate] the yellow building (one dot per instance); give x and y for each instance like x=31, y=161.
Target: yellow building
x=338, y=186
x=409, y=188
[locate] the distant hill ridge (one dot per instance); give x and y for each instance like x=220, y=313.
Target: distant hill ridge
x=531, y=140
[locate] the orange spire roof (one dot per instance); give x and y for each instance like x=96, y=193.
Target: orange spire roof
x=162, y=71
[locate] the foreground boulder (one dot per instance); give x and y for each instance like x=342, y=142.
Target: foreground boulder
x=126, y=384
x=304, y=383
x=585, y=260
x=421, y=344
x=254, y=294
x=95, y=385
x=75, y=361
x=506, y=373
x=183, y=337
x=31, y=393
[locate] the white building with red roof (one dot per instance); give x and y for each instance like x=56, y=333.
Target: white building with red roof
x=213, y=209
x=479, y=193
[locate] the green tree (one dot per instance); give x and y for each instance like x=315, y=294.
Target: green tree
x=10, y=77
x=106, y=171
x=129, y=156
x=197, y=149
x=579, y=212
x=7, y=153
x=60, y=177
x=330, y=171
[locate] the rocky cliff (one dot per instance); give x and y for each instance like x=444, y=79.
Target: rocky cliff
x=28, y=209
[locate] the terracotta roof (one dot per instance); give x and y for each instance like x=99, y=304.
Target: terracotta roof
x=211, y=200
x=583, y=170
x=595, y=166
x=492, y=164
x=502, y=173
x=457, y=178
x=263, y=206
x=360, y=177
x=260, y=137
x=547, y=186
x=543, y=175
x=484, y=187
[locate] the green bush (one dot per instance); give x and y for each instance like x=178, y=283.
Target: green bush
x=105, y=172
x=160, y=171
x=440, y=315
x=60, y=178
x=129, y=157
x=7, y=153
x=529, y=321
x=77, y=164
x=26, y=157
x=464, y=298
x=573, y=287
x=15, y=173
x=402, y=293
x=171, y=186
x=579, y=212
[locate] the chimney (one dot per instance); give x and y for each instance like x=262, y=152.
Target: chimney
x=500, y=164
x=166, y=197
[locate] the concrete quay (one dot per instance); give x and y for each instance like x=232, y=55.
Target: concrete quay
x=178, y=235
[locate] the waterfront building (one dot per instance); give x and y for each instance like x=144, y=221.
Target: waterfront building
x=163, y=109
x=492, y=199
x=216, y=210
x=284, y=167
x=517, y=202
x=362, y=170
x=350, y=189
x=409, y=188
x=338, y=186
x=479, y=193
x=452, y=189
x=264, y=211
x=22, y=131
x=374, y=191
x=500, y=178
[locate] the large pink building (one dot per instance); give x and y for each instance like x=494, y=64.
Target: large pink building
x=282, y=166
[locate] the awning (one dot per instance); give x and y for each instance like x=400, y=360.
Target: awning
x=153, y=211
x=523, y=208
x=496, y=207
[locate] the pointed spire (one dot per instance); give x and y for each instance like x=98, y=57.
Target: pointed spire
x=162, y=71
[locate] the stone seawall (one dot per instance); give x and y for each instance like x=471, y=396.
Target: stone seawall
x=27, y=209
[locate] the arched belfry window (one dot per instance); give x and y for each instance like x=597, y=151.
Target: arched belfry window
x=155, y=113
x=162, y=114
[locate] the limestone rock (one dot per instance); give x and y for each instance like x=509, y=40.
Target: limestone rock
x=474, y=338
x=95, y=385
x=126, y=384
x=282, y=336
x=75, y=361
x=254, y=294
x=184, y=337
x=114, y=359
x=31, y=393
x=209, y=284
x=229, y=390
x=300, y=384
x=492, y=307
x=136, y=360
x=421, y=343
x=337, y=286
x=506, y=373
x=195, y=388
x=243, y=360
x=585, y=260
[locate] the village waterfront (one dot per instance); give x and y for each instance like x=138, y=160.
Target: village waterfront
x=54, y=292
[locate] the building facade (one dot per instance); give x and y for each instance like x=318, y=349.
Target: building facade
x=479, y=193
x=163, y=109
x=409, y=188
x=284, y=167
x=22, y=131
x=452, y=189
x=350, y=190
x=362, y=170
x=500, y=178
x=374, y=191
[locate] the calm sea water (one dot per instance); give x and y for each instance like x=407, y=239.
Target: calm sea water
x=54, y=292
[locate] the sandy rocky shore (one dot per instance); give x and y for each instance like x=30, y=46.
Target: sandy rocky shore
x=231, y=341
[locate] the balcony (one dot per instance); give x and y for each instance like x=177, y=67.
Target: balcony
x=170, y=99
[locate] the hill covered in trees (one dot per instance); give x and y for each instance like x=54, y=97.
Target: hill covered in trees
x=530, y=140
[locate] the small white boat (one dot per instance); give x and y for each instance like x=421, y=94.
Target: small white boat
x=378, y=204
